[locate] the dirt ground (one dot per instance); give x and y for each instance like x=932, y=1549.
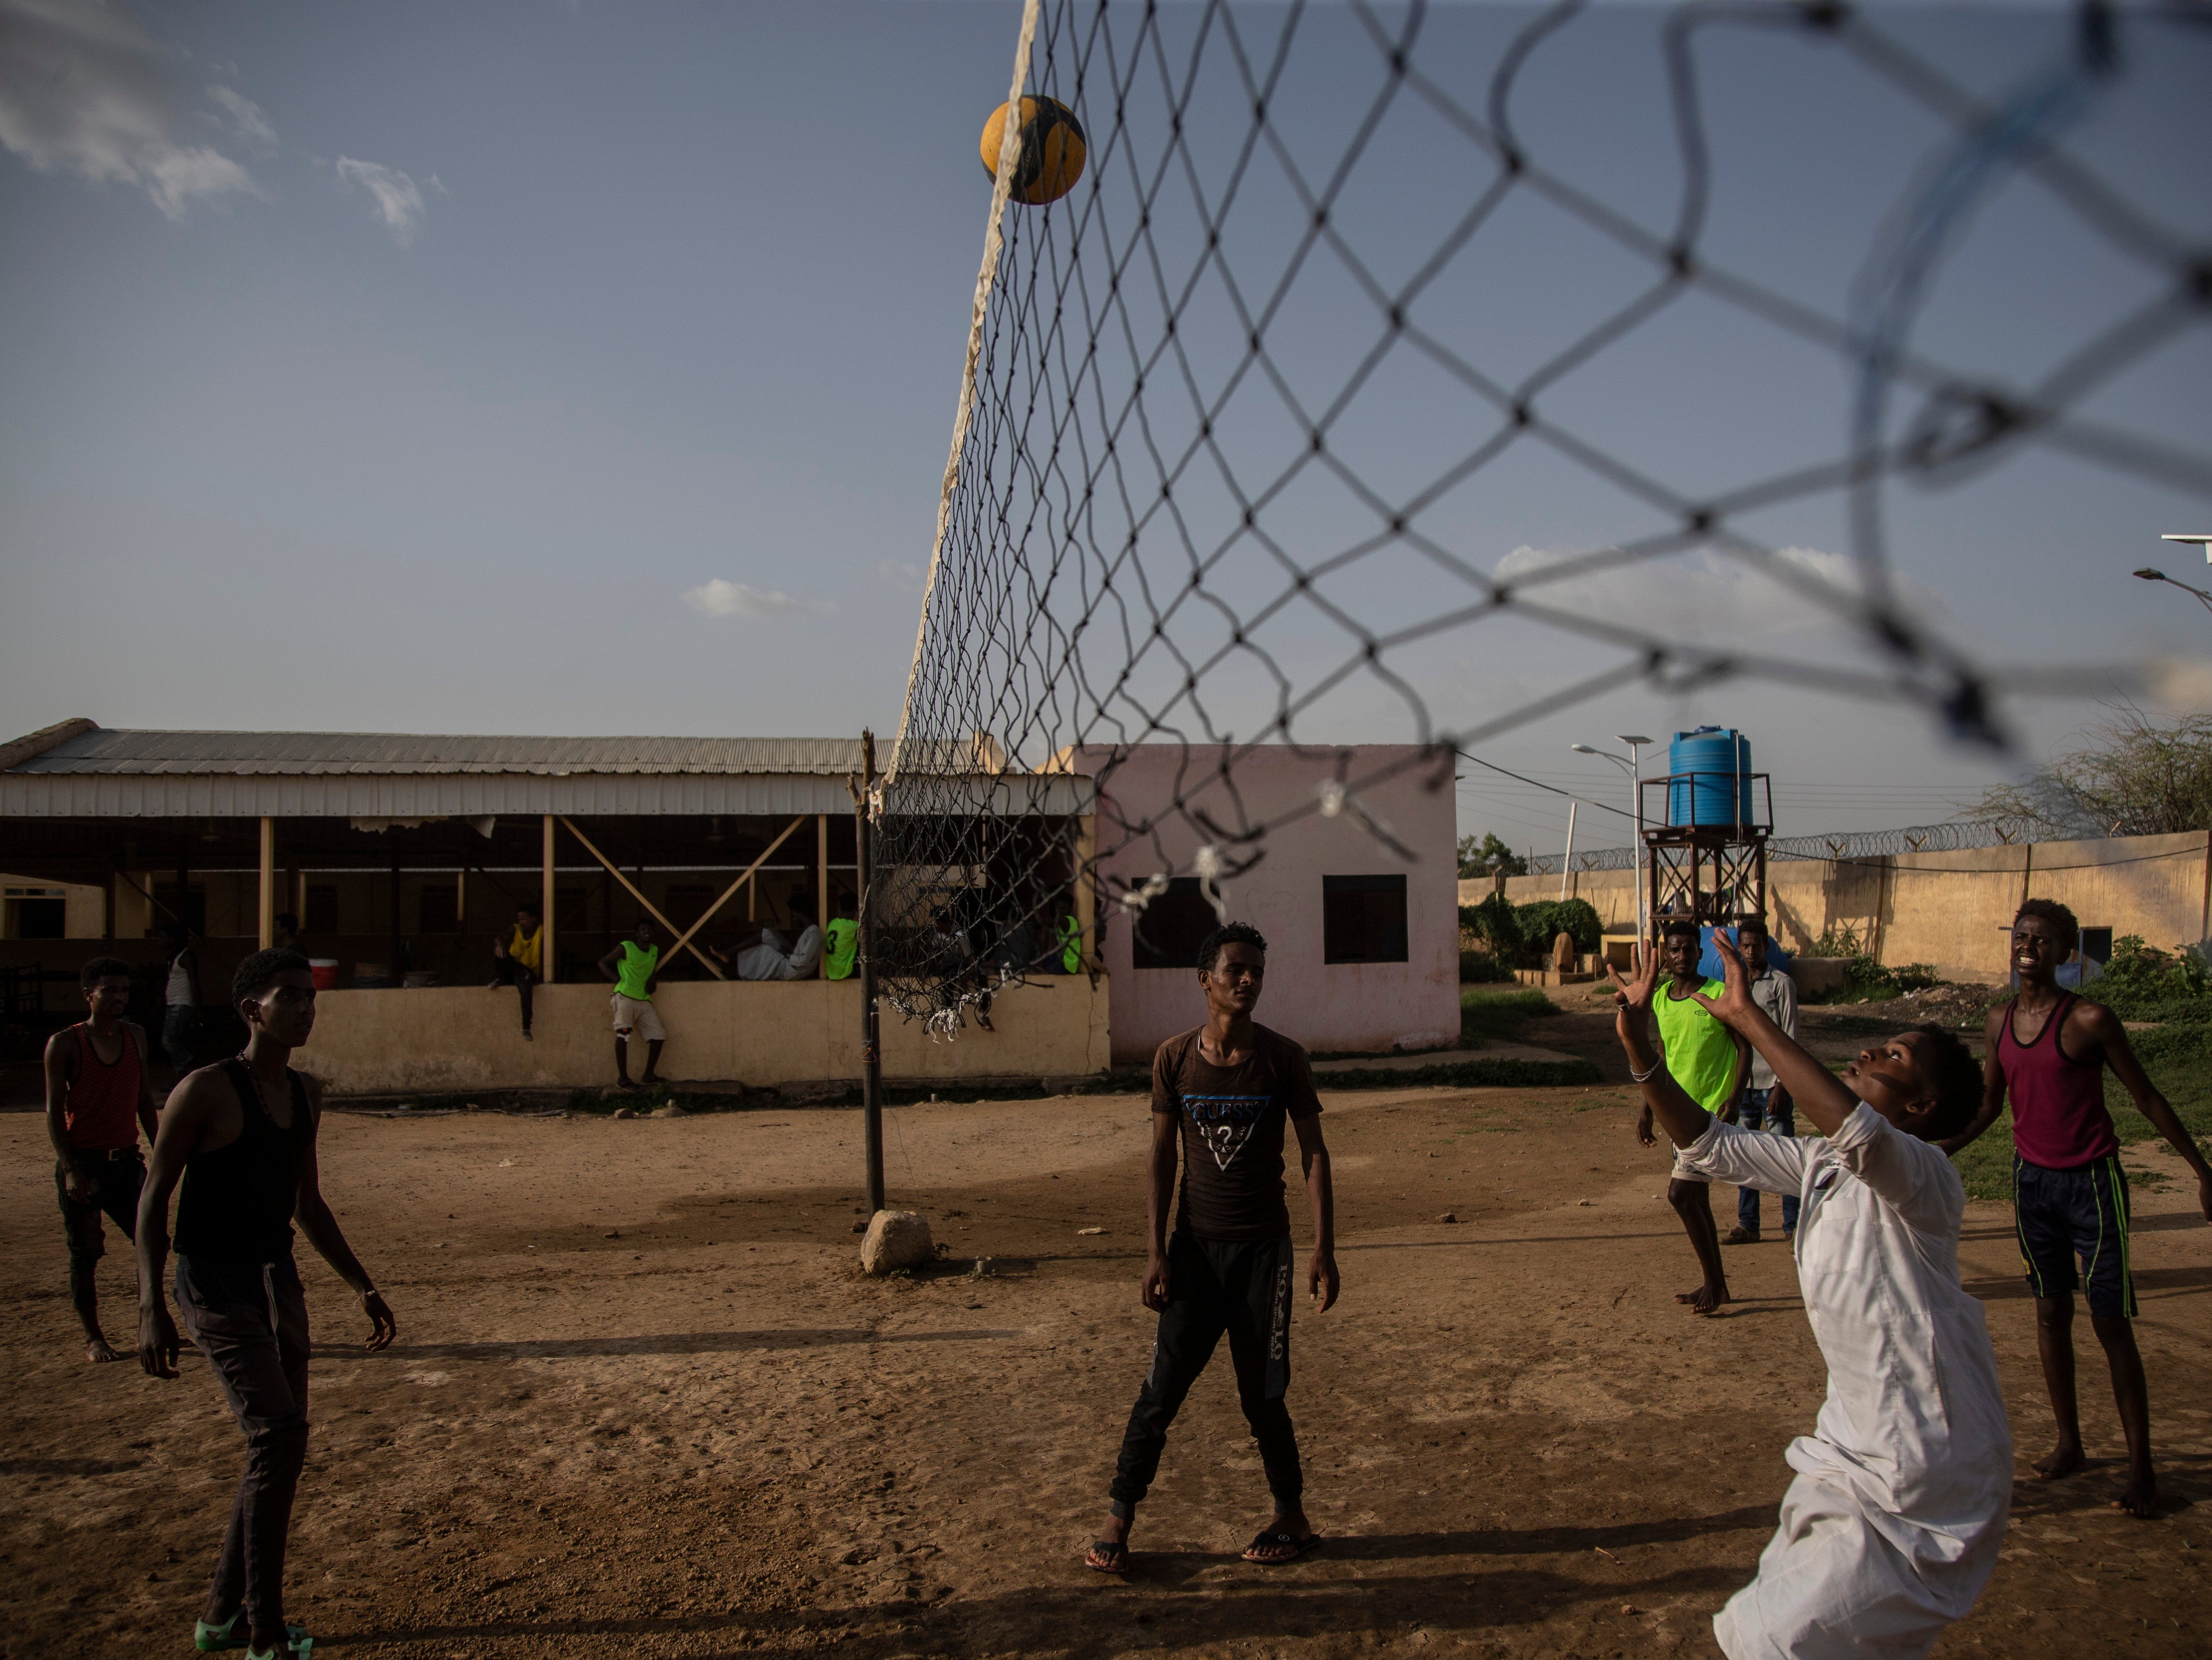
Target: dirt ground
x=643, y=1403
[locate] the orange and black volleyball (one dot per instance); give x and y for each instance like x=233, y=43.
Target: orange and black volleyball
x=1051, y=155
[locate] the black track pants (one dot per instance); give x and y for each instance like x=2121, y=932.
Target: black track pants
x=1243, y=1289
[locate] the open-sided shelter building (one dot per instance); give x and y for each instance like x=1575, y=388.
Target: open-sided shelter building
x=403, y=855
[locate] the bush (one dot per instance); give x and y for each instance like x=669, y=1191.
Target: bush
x=1493, y=921
x=1544, y=920
x=1481, y=968
x=2141, y=982
x=1835, y=942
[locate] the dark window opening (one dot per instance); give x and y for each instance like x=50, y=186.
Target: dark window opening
x=40, y=919
x=438, y=909
x=1167, y=933
x=2097, y=946
x=685, y=903
x=1363, y=919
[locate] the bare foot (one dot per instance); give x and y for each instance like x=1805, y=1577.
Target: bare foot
x=2064, y=1459
x=2140, y=1496
x=99, y=1351
x=1109, y=1551
x=1704, y=1299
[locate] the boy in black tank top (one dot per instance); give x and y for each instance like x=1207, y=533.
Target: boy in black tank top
x=1225, y=1091
x=241, y=1135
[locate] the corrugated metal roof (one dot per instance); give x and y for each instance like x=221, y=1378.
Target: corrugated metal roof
x=116, y=752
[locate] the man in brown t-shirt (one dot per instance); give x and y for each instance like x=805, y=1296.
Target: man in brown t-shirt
x=1224, y=1091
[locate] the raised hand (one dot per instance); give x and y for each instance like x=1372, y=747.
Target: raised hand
x=1734, y=1004
x=1634, y=994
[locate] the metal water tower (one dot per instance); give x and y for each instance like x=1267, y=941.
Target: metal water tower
x=1706, y=831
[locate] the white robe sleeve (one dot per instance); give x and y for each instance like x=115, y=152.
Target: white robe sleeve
x=1747, y=1158
x=1911, y=1177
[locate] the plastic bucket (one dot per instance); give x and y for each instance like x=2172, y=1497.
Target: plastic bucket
x=325, y=971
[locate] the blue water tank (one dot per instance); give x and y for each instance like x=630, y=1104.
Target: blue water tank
x=1720, y=759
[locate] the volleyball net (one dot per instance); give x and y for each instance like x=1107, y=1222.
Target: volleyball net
x=1409, y=373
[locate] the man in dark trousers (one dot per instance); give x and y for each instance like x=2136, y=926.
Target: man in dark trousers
x=2047, y=1051
x=97, y=1102
x=1225, y=1091
x=241, y=1135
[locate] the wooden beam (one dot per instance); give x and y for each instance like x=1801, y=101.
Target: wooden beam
x=268, y=906
x=708, y=915
x=652, y=910
x=545, y=957
x=821, y=891
x=683, y=937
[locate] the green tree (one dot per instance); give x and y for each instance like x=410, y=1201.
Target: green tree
x=1487, y=856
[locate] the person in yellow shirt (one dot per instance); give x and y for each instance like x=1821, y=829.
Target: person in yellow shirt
x=521, y=959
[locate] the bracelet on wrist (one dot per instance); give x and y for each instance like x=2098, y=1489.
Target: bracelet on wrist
x=1647, y=1073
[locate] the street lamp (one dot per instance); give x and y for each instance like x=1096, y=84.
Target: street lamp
x=2148, y=573
x=1636, y=743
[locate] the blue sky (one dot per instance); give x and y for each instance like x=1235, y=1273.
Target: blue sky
x=406, y=368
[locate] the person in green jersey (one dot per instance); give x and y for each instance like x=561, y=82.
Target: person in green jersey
x=844, y=931
x=1711, y=1064
x=634, y=966
x=1071, y=944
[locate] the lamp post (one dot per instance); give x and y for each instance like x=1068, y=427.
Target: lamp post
x=2151, y=573
x=1628, y=763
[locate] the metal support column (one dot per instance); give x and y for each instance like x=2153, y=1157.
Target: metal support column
x=872, y=1064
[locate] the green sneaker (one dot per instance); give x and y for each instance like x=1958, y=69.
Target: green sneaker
x=296, y=1643
x=232, y=1634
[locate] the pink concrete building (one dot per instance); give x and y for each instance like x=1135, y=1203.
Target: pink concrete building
x=1363, y=943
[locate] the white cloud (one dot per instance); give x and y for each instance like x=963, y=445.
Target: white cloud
x=1707, y=598
x=399, y=198
x=245, y=116
x=82, y=91
x=720, y=599
x=900, y=574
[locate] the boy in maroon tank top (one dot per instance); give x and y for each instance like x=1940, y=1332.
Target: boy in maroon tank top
x=97, y=1102
x=2047, y=1051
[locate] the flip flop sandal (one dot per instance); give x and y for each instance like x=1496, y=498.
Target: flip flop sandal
x=1263, y=1539
x=1116, y=1556
x=232, y=1634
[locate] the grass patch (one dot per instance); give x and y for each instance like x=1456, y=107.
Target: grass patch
x=2179, y=1061
x=1487, y=1017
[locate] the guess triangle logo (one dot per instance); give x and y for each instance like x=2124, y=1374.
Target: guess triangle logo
x=1225, y=1141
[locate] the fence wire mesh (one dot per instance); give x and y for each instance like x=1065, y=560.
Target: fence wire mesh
x=1335, y=283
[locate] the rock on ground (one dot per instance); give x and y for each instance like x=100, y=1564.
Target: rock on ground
x=896, y=1240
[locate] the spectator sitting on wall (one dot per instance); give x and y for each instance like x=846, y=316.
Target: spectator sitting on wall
x=181, y=996
x=766, y=958
x=844, y=942
x=635, y=966
x=519, y=959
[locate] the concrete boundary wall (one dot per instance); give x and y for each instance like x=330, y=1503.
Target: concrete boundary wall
x=1950, y=910
x=767, y=1033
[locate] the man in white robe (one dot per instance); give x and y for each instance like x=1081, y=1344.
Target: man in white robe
x=1891, y=1526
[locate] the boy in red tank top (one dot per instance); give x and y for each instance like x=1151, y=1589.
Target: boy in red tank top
x=2047, y=1050
x=97, y=1102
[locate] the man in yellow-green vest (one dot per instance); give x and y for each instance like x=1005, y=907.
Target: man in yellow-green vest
x=633, y=966
x=844, y=931
x=1071, y=945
